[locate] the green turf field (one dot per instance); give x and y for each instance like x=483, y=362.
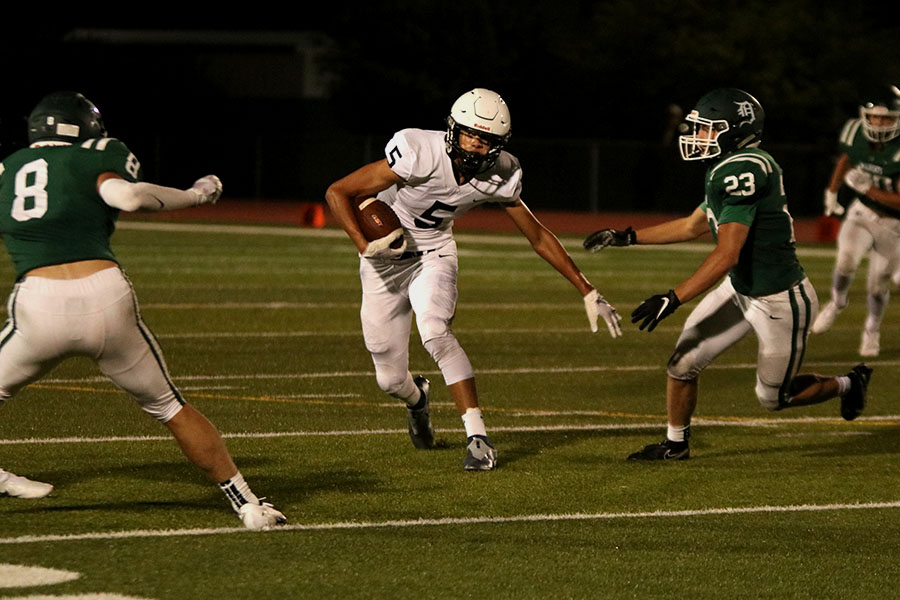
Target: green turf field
x=261, y=332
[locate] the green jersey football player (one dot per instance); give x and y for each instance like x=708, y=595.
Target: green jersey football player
x=764, y=290
x=869, y=165
x=59, y=200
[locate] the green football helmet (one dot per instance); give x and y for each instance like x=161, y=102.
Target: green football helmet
x=65, y=117
x=735, y=116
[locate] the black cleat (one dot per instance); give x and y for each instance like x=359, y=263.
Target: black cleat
x=420, y=430
x=664, y=450
x=480, y=454
x=854, y=401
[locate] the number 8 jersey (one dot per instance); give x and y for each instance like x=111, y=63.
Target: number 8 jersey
x=429, y=199
x=50, y=211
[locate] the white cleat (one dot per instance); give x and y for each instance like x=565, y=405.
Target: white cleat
x=870, y=346
x=21, y=487
x=261, y=517
x=826, y=317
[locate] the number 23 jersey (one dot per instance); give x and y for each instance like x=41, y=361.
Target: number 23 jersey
x=429, y=199
x=746, y=187
x=50, y=210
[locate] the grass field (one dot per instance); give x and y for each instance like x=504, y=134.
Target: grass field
x=261, y=332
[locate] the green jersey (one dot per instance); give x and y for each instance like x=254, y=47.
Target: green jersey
x=50, y=210
x=746, y=187
x=882, y=161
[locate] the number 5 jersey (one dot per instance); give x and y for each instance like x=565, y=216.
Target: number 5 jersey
x=430, y=198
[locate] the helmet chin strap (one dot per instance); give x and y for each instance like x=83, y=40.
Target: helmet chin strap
x=472, y=167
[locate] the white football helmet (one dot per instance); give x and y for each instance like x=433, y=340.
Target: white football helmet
x=881, y=118
x=484, y=114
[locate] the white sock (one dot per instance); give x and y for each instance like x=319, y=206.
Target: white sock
x=474, y=422
x=677, y=433
x=843, y=384
x=238, y=492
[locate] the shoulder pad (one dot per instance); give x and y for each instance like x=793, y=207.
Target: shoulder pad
x=849, y=132
x=103, y=144
x=745, y=160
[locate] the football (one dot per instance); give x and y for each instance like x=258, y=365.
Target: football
x=376, y=220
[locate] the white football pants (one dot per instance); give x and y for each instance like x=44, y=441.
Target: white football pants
x=95, y=316
x=394, y=290
x=780, y=321
x=862, y=231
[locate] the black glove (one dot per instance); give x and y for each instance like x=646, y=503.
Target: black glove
x=654, y=309
x=609, y=237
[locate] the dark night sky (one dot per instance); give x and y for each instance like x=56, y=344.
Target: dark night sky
x=568, y=69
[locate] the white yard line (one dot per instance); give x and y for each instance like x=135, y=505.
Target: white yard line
x=709, y=422
x=453, y=521
x=520, y=371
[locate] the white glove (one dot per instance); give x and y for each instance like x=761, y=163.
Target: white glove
x=832, y=206
x=208, y=189
x=381, y=248
x=595, y=305
x=858, y=180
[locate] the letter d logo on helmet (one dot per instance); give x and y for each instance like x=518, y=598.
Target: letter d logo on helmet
x=724, y=120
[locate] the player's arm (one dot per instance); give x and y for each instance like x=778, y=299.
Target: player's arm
x=886, y=198
x=143, y=196
x=832, y=207
x=732, y=237
x=684, y=229
x=863, y=183
x=837, y=176
x=891, y=199
x=548, y=247
x=678, y=230
x=343, y=193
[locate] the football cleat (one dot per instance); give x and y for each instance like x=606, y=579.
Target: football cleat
x=870, y=346
x=854, y=401
x=826, y=317
x=420, y=430
x=260, y=517
x=21, y=487
x=480, y=454
x=664, y=450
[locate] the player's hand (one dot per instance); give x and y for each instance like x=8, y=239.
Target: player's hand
x=654, y=309
x=832, y=206
x=596, y=306
x=208, y=189
x=609, y=237
x=858, y=180
x=381, y=248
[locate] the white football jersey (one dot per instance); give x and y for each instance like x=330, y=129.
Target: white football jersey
x=429, y=199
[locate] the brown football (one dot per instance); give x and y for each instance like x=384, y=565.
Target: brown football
x=376, y=220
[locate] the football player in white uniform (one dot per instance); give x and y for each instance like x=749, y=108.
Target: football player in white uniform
x=870, y=166
x=430, y=178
